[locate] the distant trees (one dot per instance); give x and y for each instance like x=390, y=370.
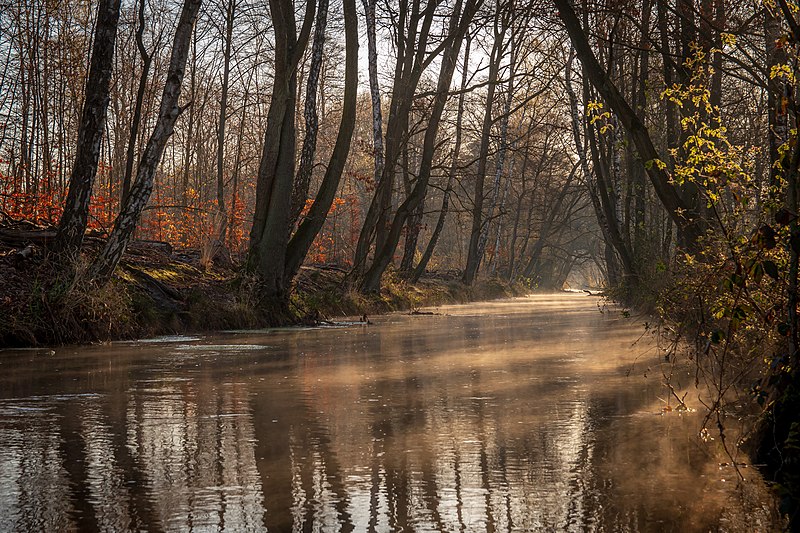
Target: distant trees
x=517, y=163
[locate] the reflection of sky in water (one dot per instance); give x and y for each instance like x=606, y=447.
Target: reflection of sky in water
x=506, y=416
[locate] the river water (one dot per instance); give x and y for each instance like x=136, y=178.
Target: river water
x=530, y=414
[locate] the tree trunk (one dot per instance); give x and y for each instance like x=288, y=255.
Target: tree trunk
x=475, y=251
x=498, y=170
x=269, y=236
x=419, y=270
x=547, y=226
x=495, y=259
x=371, y=281
x=636, y=169
x=686, y=217
x=105, y=263
x=72, y=225
x=307, y=231
x=602, y=207
x=375, y=95
x=147, y=60
x=411, y=62
x=303, y=180
x=222, y=215
x=778, y=91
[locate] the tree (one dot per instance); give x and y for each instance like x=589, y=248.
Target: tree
x=303, y=179
x=479, y=233
x=109, y=257
x=301, y=241
x=413, y=26
x=685, y=217
x=458, y=26
x=268, y=238
x=437, y=231
x=72, y=225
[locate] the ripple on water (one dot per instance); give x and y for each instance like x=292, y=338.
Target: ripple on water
x=166, y=339
x=519, y=420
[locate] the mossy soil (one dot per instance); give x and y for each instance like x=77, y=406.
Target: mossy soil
x=157, y=293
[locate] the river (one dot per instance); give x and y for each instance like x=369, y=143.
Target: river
x=532, y=414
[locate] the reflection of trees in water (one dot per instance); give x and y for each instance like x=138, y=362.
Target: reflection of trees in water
x=434, y=457
x=460, y=428
x=33, y=480
x=72, y=463
x=472, y=448
x=196, y=445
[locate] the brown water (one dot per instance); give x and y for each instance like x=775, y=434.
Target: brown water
x=511, y=416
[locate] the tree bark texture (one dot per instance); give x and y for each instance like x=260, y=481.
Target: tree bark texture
x=778, y=93
x=499, y=165
x=147, y=60
x=412, y=42
x=303, y=179
x=73, y=222
x=125, y=223
x=603, y=211
x=222, y=215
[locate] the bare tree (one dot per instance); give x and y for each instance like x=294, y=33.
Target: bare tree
x=684, y=216
x=108, y=259
x=459, y=24
x=72, y=225
x=303, y=238
x=268, y=237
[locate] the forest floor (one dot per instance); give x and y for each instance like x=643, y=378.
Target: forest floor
x=159, y=291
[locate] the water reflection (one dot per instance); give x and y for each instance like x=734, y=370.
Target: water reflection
x=513, y=416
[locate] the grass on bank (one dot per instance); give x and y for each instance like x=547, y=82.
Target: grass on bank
x=157, y=295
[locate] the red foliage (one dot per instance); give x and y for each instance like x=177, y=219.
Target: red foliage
x=187, y=218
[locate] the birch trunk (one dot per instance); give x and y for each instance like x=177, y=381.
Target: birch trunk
x=602, y=209
x=412, y=43
x=499, y=167
x=303, y=179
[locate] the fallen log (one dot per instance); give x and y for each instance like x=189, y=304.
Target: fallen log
x=22, y=237
x=42, y=238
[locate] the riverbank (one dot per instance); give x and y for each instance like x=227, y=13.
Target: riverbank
x=158, y=291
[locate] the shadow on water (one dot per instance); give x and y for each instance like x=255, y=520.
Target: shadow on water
x=509, y=416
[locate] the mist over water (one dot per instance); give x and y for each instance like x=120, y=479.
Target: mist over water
x=524, y=415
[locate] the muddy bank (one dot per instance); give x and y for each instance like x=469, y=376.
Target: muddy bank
x=158, y=291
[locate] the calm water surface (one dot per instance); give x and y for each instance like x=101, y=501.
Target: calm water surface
x=511, y=416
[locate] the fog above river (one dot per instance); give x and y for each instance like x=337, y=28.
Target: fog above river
x=528, y=414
